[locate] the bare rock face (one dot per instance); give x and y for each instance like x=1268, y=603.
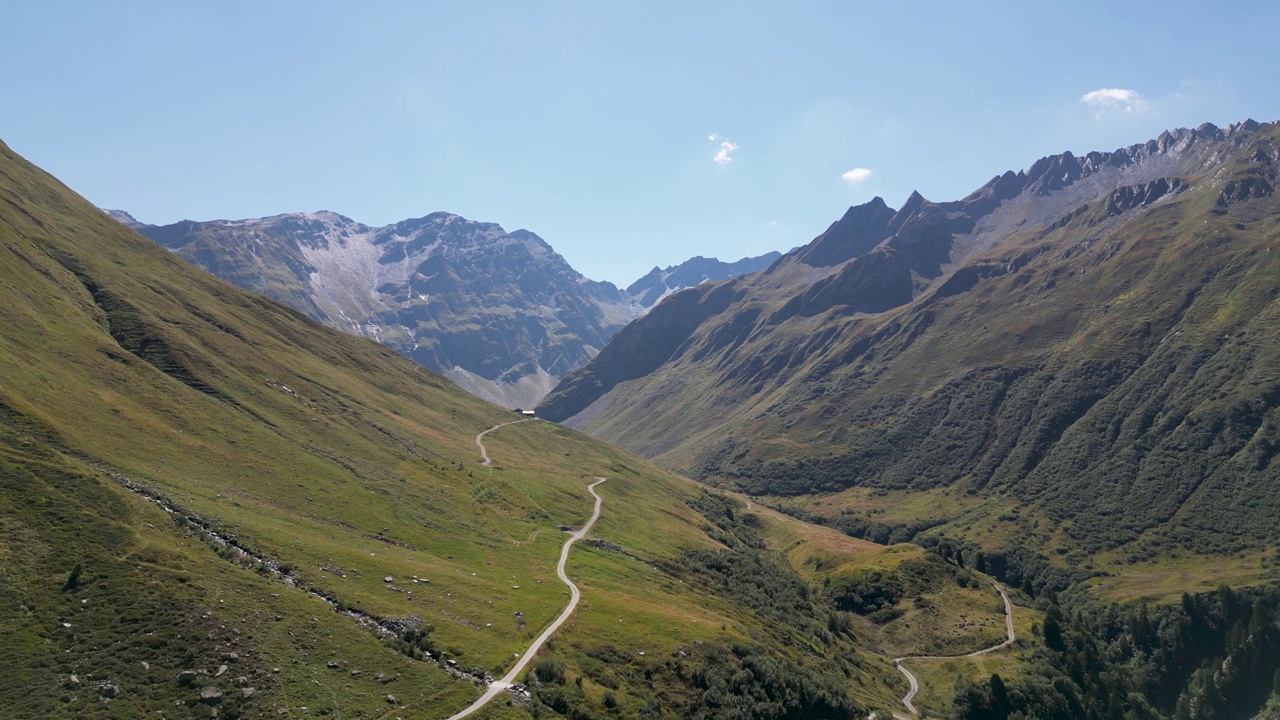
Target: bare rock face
x=1133, y=196
x=1243, y=190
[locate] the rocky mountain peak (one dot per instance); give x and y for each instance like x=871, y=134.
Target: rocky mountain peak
x=313, y=230
x=1248, y=125
x=912, y=207
x=1054, y=173
x=861, y=229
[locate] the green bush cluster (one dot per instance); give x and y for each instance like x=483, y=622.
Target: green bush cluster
x=874, y=592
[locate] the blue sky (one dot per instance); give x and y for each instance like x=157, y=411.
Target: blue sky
x=626, y=135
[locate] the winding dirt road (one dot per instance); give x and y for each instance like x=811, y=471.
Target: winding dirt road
x=498, y=686
x=484, y=454
x=915, y=684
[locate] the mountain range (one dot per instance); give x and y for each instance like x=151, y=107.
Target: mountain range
x=501, y=314
x=1081, y=355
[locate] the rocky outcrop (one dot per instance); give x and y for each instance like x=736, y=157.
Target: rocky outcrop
x=1133, y=196
x=1243, y=190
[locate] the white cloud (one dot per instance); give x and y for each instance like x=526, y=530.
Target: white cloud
x=1106, y=99
x=724, y=154
x=856, y=175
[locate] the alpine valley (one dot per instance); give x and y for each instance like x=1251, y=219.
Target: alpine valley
x=501, y=314
x=210, y=504
x=1010, y=456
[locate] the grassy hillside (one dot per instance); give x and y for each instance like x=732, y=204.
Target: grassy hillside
x=193, y=477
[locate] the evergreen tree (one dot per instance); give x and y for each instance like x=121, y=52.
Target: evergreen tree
x=1001, y=706
x=1053, y=629
x=73, y=580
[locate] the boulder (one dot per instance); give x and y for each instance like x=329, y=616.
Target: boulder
x=211, y=695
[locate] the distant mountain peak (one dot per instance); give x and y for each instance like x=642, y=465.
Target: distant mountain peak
x=658, y=283
x=501, y=313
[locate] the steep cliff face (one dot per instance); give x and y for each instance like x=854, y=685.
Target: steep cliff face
x=1088, y=330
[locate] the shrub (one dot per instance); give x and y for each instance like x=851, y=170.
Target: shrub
x=549, y=670
x=73, y=580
